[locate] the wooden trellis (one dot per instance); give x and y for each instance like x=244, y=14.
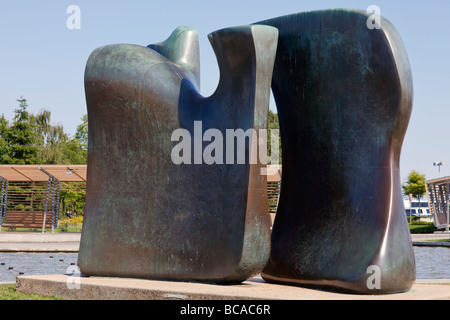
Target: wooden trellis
x=438, y=199
x=273, y=188
x=30, y=193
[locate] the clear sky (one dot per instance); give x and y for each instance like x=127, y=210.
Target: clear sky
x=43, y=61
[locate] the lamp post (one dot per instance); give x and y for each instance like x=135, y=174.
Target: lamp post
x=438, y=164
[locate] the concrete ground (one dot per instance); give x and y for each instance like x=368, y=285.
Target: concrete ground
x=437, y=235
x=70, y=242
x=102, y=288
x=99, y=288
x=39, y=242
x=430, y=240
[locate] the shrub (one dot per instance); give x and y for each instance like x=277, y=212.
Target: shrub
x=422, y=227
x=73, y=224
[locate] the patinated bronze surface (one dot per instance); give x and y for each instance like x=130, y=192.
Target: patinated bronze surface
x=344, y=98
x=146, y=216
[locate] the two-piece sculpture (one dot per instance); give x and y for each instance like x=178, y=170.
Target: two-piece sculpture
x=344, y=97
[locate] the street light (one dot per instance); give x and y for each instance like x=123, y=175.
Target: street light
x=439, y=164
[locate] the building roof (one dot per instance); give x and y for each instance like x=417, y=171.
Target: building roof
x=443, y=180
x=76, y=173
x=64, y=173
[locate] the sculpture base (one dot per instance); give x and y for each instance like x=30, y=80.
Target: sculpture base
x=102, y=288
x=327, y=285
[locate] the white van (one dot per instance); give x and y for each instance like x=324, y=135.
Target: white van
x=412, y=208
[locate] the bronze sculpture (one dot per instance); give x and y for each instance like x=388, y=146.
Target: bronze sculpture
x=147, y=214
x=344, y=97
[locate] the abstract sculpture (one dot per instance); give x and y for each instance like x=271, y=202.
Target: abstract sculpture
x=343, y=89
x=147, y=216
x=344, y=97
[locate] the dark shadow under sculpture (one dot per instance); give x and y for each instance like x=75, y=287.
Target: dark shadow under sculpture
x=344, y=98
x=147, y=216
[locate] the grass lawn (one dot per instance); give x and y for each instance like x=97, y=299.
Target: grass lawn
x=8, y=292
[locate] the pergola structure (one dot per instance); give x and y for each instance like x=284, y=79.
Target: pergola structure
x=30, y=193
x=34, y=190
x=273, y=188
x=438, y=199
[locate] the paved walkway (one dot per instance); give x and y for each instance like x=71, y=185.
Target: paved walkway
x=39, y=242
x=70, y=242
x=437, y=235
x=430, y=240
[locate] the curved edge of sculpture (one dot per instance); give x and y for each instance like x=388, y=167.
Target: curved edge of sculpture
x=146, y=217
x=182, y=48
x=344, y=98
x=262, y=48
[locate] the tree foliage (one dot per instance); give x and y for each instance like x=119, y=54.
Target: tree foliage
x=415, y=185
x=273, y=124
x=19, y=139
x=32, y=139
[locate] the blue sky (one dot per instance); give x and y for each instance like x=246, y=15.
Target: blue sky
x=43, y=61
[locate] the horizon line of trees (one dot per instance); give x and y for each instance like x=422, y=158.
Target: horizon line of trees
x=33, y=139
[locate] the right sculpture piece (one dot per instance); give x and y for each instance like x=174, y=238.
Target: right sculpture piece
x=343, y=89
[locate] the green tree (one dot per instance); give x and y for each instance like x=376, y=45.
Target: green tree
x=82, y=132
x=55, y=146
x=74, y=153
x=21, y=138
x=4, y=145
x=415, y=185
x=73, y=199
x=51, y=139
x=81, y=138
x=273, y=124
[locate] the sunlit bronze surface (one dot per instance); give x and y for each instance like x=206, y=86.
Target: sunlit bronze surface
x=344, y=98
x=147, y=217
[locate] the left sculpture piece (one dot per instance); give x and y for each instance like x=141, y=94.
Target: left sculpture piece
x=148, y=216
